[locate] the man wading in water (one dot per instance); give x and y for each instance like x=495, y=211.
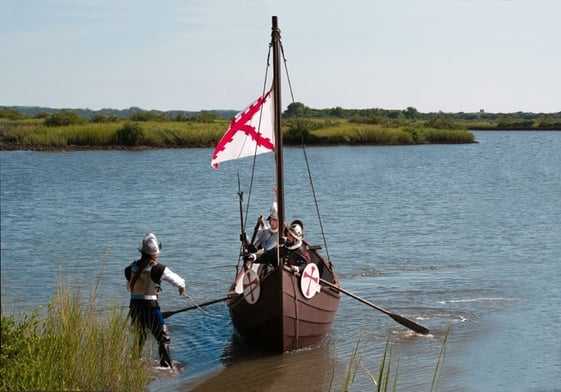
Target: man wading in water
x=143, y=281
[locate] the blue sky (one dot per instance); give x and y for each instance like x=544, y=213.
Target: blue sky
x=434, y=55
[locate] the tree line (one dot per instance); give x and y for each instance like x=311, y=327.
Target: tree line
x=477, y=120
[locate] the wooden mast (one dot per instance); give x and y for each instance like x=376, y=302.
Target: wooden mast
x=283, y=318
x=275, y=39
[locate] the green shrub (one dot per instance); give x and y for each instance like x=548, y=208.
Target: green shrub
x=130, y=134
x=100, y=118
x=63, y=118
x=11, y=114
x=148, y=116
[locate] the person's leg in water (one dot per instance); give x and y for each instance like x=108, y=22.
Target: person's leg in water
x=160, y=331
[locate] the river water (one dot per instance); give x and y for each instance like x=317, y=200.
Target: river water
x=459, y=238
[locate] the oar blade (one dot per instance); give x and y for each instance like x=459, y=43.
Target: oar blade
x=410, y=324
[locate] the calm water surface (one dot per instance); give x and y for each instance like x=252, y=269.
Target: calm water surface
x=466, y=238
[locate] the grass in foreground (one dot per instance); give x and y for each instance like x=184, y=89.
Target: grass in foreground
x=71, y=349
x=76, y=348
x=387, y=378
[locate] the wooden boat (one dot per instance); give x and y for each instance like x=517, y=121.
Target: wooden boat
x=278, y=309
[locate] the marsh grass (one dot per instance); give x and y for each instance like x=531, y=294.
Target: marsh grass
x=74, y=347
x=184, y=134
x=346, y=132
x=34, y=134
x=388, y=373
x=371, y=134
x=77, y=347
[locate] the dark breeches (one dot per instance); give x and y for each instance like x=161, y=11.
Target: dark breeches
x=147, y=317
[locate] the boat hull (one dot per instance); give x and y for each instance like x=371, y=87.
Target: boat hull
x=288, y=321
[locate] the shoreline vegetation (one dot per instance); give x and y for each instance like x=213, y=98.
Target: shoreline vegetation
x=43, y=350
x=44, y=129
x=47, y=352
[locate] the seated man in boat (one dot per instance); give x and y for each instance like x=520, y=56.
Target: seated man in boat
x=293, y=252
x=267, y=236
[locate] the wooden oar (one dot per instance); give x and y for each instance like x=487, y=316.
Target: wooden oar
x=172, y=312
x=400, y=319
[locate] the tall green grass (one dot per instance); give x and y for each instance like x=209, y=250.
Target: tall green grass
x=34, y=134
x=388, y=372
x=74, y=347
x=351, y=133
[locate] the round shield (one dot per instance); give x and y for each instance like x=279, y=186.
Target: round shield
x=251, y=288
x=309, y=281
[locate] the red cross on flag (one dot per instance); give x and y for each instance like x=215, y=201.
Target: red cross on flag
x=251, y=132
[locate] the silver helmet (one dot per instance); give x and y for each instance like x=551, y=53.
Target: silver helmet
x=150, y=245
x=296, y=230
x=273, y=214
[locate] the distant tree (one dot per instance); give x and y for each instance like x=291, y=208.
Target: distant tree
x=148, y=116
x=337, y=112
x=296, y=109
x=411, y=113
x=205, y=117
x=442, y=121
x=12, y=114
x=63, y=118
x=180, y=117
x=100, y=118
x=41, y=115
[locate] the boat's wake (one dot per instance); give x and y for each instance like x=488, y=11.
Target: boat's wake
x=482, y=299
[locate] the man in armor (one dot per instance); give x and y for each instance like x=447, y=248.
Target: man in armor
x=267, y=236
x=144, y=277
x=293, y=252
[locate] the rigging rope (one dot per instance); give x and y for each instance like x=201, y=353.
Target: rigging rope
x=216, y=315
x=305, y=155
x=298, y=125
x=254, y=156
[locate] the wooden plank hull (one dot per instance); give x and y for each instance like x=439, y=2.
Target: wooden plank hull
x=283, y=319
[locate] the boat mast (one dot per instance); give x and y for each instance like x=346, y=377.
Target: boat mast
x=275, y=39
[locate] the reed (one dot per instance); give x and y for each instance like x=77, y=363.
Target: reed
x=353, y=133
x=359, y=134
x=387, y=378
x=74, y=347
x=183, y=134
x=34, y=134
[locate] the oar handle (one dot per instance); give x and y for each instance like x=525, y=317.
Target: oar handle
x=172, y=312
x=400, y=319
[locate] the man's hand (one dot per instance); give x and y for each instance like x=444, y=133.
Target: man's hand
x=181, y=290
x=250, y=257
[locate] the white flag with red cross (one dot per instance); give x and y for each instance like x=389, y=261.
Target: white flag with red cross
x=251, y=132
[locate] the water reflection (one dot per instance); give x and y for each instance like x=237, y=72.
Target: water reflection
x=249, y=369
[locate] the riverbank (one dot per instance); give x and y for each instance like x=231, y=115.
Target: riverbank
x=37, y=135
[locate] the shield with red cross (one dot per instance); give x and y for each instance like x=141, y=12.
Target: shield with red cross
x=251, y=288
x=309, y=281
